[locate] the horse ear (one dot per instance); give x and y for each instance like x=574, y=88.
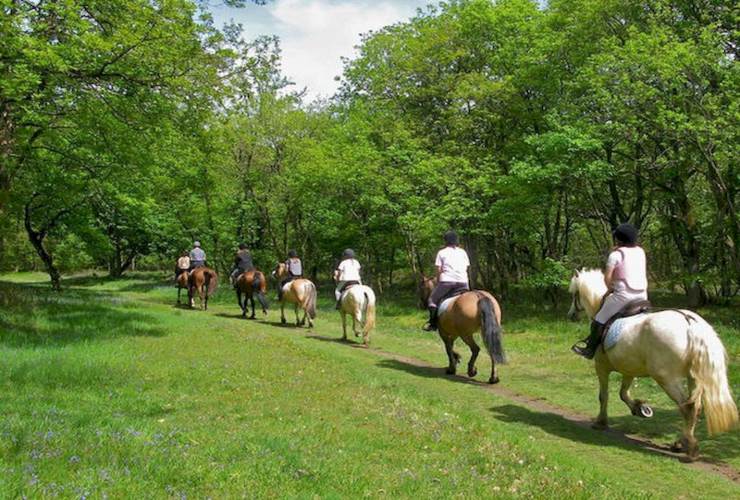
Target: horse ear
x=576, y=273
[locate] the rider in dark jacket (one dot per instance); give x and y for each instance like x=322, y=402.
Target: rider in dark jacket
x=242, y=262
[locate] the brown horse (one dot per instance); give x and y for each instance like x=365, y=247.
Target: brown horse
x=251, y=283
x=182, y=284
x=424, y=289
x=301, y=293
x=466, y=314
x=204, y=281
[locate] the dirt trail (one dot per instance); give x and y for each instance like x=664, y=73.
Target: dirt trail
x=580, y=420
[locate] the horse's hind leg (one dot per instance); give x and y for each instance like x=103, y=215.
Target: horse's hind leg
x=357, y=320
x=690, y=412
x=474, y=350
x=282, y=312
x=251, y=302
x=637, y=407
x=452, y=368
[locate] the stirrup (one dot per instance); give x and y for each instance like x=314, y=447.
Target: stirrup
x=581, y=348
x=428, y=327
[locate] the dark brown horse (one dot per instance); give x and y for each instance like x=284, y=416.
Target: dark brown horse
x=251, y=283
x=182, y=283
x=203, y=281
x=467, y=314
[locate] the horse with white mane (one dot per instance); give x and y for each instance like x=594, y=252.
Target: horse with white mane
x=359, y=302
x=670, y=346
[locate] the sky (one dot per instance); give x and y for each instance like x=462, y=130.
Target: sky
x=316, y=34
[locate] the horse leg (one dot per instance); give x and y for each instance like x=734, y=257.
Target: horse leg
x=239, y=301
x=357, y=320
x=344, y=325
x=452, y=368
x=178, y=295
x=474, y=350
x=282, y=312
x=690, y=412
x=602, y=371
x=251, y=302
x=624, y=394
x=298, y=322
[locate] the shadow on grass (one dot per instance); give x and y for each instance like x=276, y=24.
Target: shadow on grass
x=423, y=371
x=30, y=316
x=338, y=340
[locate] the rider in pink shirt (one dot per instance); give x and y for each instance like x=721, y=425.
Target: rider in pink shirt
x=626, y=281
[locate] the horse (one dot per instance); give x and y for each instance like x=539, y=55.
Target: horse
x=182, y=283
x=464, y=315
x=425, y=287
x=204, y=281
x=301, y=293
x=359, y=302
x=671, y=347
x=251, y=283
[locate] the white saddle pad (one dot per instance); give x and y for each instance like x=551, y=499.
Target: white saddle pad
x=615, y=331
x=446, y=305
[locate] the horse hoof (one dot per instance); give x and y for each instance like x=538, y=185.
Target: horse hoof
x=678, y=447
x=494, y=380
x=450, y=371
x=644, y=411
x=599, y=426
x=282, y=320
x=472, y=373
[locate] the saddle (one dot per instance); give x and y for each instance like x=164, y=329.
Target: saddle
x=347, y=285
x=446, y=299
x=630, y=309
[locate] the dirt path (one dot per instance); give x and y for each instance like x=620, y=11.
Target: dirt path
x=569, y=416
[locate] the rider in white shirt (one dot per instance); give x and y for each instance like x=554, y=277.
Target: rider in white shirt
x=626, y=282
x=452, y=264
x=346, y=274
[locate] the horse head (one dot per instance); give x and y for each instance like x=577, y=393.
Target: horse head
x=587, y=287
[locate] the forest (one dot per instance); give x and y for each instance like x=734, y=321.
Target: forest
x=130, y=128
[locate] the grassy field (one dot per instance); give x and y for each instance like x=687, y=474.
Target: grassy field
x=108, y=390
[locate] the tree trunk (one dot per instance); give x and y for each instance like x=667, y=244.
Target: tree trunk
x=37, y=240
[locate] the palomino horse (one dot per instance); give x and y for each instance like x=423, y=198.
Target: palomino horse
x=359, y=302
x=464, y=315
x=669, y=346
x=203, y=281
x=251, y=283
x=425, y=288
x=182, y=283
x=301, y=293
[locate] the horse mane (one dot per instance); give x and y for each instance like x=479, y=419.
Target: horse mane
x=590, y=282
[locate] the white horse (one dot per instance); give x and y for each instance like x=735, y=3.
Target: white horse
x=669, y=346
x=359, y=302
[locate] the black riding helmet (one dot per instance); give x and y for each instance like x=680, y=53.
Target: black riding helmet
x=292, y=254
x=242, y=246
x=348, y=254
x=626, y=234
x=450, y=238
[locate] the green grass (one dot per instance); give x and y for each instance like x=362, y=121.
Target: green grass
x=108, y=390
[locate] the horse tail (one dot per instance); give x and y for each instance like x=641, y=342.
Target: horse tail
x=369, y=310
x=211, y=281
x=709, y=370
x=310, y=289
x=491, y=329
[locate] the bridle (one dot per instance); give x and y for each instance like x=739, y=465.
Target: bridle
x=577, y=302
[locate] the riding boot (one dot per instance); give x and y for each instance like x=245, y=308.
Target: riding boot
x=432, y=324
x=592, y=342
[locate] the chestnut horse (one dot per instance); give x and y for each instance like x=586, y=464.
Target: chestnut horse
x=463, y=316
x=251, y=283
x=182, y=283
x=300, y=292
x=203, y=281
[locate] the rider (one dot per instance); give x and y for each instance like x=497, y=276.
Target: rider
x=183, y=264
x=197, y=256
x=452, y=276
x=346, y=274
x=242, y=263
x=294, y=267
x=626, y=281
